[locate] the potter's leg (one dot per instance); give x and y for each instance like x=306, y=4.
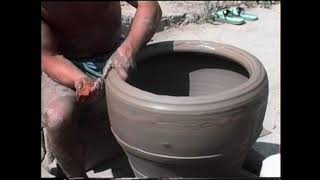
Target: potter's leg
x=63, y=136
x=100, y=144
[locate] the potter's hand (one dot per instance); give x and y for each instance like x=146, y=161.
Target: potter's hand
x=87, y=90
x=122, y=64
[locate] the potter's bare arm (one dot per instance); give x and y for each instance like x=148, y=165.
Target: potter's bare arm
x=143, y=27
x=55, y=65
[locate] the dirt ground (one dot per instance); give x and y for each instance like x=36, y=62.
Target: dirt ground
x=260, y=38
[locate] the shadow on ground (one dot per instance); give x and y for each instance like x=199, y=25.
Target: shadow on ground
x=120, y=167
x=253, y=162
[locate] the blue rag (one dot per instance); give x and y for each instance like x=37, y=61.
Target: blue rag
x=92, y=67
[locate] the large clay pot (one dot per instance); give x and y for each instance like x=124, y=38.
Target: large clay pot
x=191, y=109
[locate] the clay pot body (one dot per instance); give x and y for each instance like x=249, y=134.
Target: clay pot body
x=191, y=109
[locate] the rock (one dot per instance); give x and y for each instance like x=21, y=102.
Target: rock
x=177, y=19
x=190, y=18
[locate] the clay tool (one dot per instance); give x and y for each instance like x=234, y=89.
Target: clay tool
x=106, y=69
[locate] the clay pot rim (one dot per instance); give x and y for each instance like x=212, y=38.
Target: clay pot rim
x=256, y=71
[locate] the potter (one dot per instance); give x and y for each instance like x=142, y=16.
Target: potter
x=76, y=39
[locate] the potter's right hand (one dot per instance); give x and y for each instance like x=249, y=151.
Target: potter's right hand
x=87, y=89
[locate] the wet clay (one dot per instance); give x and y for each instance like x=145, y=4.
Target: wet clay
x=85, y=89
x=187, y=74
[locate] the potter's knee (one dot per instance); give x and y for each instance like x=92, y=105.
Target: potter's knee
x=58, y=115
x=54, y=120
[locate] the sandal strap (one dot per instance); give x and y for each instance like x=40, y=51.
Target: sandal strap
x=239, y=10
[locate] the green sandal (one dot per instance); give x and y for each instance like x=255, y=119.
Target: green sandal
x=238, y=11
x=227, y=16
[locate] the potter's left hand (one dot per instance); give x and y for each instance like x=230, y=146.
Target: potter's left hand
x=122, y=63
